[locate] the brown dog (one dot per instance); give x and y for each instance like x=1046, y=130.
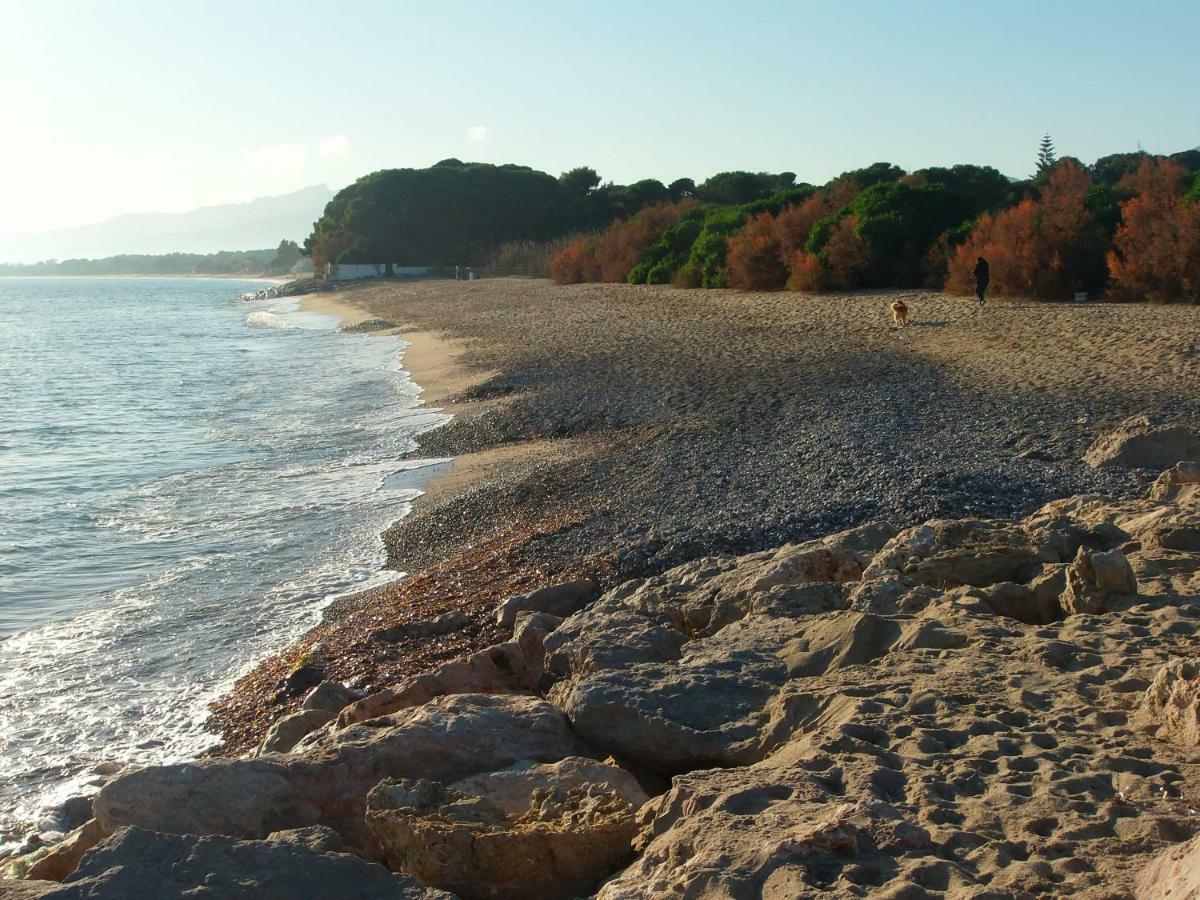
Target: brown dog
x=900, y=313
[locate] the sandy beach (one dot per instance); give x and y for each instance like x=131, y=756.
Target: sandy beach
x=614, y=431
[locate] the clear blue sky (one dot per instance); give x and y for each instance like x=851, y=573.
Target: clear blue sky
x=113, y=107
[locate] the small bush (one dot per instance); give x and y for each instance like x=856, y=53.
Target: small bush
x=755, y=256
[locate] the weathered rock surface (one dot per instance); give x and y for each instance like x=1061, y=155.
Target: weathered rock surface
x=1144, y=442
x=1181, y=482
x=63, y=858
x=1173, y=875
x=149, y=866
x=501, y=668
x=1171, y=705
x=546, y=831
x=330, y=696
x=446, y=739
x=557, y=600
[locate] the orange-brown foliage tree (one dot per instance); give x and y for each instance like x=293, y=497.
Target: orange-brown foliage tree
x=795, y=223
x=576, y=262
x=620, y=248
x=806, y=274
x=1156, y=251
x=1046, y=248
x=755, y=258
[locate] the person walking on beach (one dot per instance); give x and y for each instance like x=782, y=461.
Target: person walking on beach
x=981, y=278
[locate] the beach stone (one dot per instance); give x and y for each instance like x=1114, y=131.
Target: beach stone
x=287, y=732
x=301, y=679
x=443, y=624
x=331, y=696
x=499, y=669
x=155, y=866
x=549, y=831
x=1172, y=875
x=1171, y=705
x=558, y=600
x=327, y=782
x=1144, y=442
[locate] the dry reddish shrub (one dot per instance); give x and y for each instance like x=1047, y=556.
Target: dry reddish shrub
x=806, y=274
x=1007, y=240
x=576, y=262
x=761, y=255
x=620, y=248
x=1156, y=177
x=846, y=255
x=754, y=260
x=1156, y=251
x=1042, y=248
x=795, y=223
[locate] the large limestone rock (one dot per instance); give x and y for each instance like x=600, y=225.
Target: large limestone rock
x=152, y=866
x=287, y=732
x=947, y=553
x=1173, y=875
x=1171, y=705
x=1182, y=482
x=1144, y=442
x=546, y=831
x=499, y=669
x=1096, y=582
x=557, y=600
x=445, y=740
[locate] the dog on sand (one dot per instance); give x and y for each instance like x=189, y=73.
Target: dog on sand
x=900, y=313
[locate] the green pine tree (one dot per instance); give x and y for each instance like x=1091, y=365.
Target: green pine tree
x=1046, y=156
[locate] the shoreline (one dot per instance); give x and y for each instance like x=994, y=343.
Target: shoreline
x=755, y=539
x=613, y=431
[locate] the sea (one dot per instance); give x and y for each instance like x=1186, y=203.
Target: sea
x=187, y=478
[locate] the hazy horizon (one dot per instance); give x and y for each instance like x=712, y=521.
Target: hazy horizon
x=141, y=108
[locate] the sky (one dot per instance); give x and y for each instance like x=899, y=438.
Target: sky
x=118, y=106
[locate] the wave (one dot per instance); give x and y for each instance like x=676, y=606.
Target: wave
x=266, y=318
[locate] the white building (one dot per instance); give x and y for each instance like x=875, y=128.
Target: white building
x=355, y=271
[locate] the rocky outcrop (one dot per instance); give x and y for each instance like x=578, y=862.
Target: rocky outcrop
x=1097, y=581
x=330, y=696
x=1173, y=875
x=152, y=866
x=1171, y=705
x=967, y=707
x=1181, y=482
x=547, y=831
x=446, y=739
x=1144, y=442
x=443, y=624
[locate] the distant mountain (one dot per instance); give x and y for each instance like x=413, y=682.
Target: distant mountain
x=263, y=222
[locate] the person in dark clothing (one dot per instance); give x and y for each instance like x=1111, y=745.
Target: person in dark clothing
x=981, y=278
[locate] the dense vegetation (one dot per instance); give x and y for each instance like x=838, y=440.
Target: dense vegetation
x=227, y=262
x=457, y=213
x=1126, y=225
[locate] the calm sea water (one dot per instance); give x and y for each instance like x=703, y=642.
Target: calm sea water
x=186, y=479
